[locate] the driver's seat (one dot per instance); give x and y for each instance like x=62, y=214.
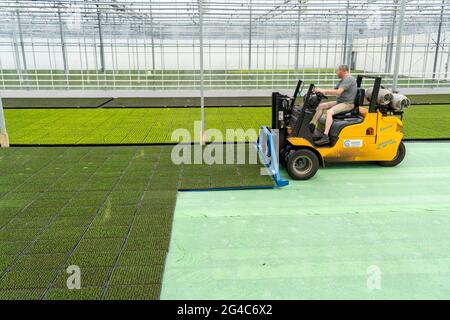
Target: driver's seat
x=359, y=101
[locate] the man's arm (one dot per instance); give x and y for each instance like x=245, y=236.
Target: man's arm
x=333, y=92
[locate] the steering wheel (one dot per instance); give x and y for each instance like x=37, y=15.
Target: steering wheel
x=321, y=96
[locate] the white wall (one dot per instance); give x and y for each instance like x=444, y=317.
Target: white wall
x=416, y=59
x=121, y=54
x=170, y=55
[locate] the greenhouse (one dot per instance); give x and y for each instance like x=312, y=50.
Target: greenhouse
x=224, y=149
x=253, y=44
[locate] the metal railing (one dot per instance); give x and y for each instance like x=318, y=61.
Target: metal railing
x=190, y=79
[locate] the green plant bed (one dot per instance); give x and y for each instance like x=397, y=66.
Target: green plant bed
x=113, y=219
x=430, y=98
x=115, y=126
x=427, y=122
x=53, y=102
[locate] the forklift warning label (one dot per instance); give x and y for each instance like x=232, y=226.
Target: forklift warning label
x=353, y=143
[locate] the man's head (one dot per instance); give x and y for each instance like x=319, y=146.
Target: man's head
x=342, y=71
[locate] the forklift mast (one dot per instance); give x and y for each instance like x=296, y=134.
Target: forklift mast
x=375, y=91
x=279, y=106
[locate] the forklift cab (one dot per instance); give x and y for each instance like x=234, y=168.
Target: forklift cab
x=341, y=120
x=299, y=117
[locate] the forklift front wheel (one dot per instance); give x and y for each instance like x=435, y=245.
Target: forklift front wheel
x=284, y=156
x=302, y=164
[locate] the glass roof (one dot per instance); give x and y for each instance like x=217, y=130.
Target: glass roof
x=230, y=19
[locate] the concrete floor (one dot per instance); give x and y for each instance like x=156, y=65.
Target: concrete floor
x=355, y=231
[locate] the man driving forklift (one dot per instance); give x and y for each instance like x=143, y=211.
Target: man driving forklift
x=345, y=92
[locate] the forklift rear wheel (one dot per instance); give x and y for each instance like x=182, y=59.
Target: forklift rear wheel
x=401, y=152
x=302, y=164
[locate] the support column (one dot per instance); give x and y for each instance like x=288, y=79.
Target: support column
x=22, y=44
x=390, y=45
x=344, y=54
x=63, y=47
x=23, y=67
x=348, y=59
x=250, y=38
x=448, y=62
x=398, y=47
x=100, y=36
x=4, y=139
x=202, y=93
x=152, y=37
x=17, y=61
x=297, y=41
x=438, y=41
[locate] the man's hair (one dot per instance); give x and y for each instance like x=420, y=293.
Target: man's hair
x=343, y=67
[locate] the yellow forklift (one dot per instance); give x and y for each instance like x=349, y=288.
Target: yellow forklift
x=373, y=136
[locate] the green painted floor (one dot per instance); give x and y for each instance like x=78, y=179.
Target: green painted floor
x=323, y=238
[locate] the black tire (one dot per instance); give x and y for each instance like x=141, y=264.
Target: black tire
x=401, y=153
x=302, y=164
